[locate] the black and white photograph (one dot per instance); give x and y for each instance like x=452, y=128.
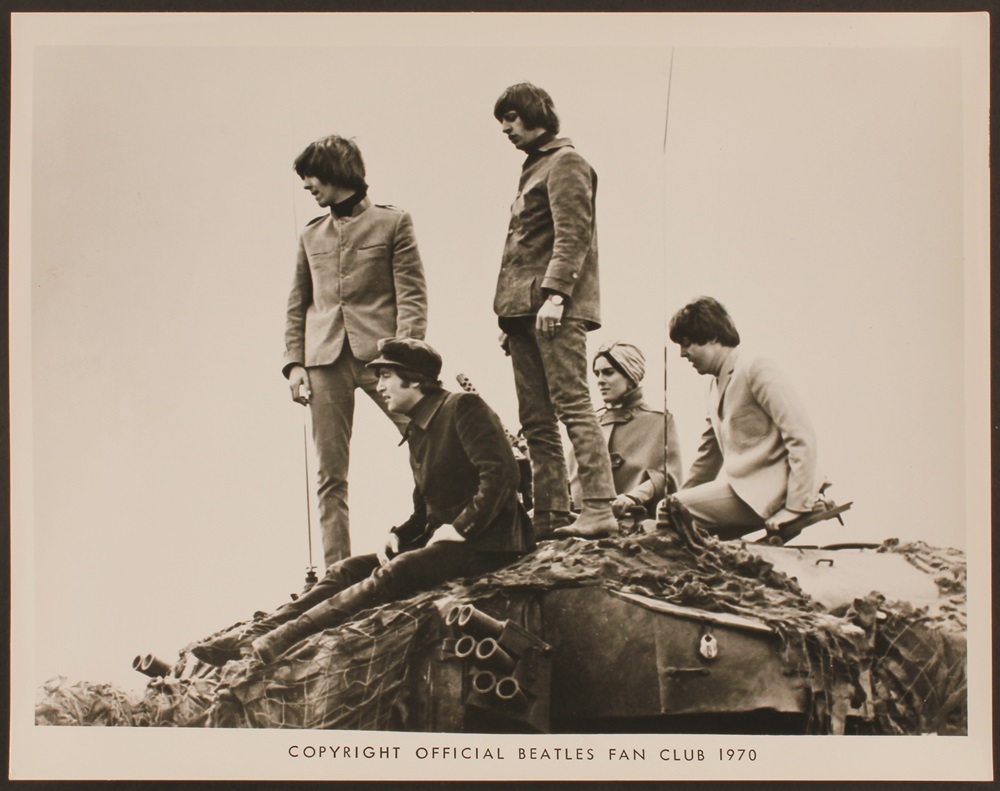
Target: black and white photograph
x=524, y=396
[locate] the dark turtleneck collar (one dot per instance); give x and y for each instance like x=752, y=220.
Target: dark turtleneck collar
x=539, y=143
x=346, y=207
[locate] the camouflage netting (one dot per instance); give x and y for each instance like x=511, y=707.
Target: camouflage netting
x=920, y=652
x=59, y=703
x=348, y=678
x=947, y=567
x=167, y=701
x=360, y=676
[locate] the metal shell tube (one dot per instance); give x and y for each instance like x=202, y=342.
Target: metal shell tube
x=489, y=650
x=465, y=646
x=484, y=682
x=509, y=691
x=478, y=623
x=150, y=666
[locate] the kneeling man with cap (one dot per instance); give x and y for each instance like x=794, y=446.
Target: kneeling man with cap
x=466, y=519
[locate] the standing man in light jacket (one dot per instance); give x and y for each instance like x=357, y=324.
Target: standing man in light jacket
x=547, y=299
x=358, y=279
x=756, y=465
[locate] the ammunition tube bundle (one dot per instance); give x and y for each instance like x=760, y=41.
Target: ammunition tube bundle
x=509, y=667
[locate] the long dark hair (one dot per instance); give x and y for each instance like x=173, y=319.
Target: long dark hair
x=531, y=103
x=334, y=160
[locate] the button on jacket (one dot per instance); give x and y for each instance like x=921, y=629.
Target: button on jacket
x=465, y=475
x=759, y=436
x=358, y=279
x=552, y=238
x=639, y=455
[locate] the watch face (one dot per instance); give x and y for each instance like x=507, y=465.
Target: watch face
x=556, y=299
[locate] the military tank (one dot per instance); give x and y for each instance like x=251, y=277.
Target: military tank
x=664, y=630
x=661, y=629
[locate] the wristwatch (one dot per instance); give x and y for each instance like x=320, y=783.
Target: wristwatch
x=557, y=299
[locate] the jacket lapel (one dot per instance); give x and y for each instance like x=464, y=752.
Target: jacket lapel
x=723, y=380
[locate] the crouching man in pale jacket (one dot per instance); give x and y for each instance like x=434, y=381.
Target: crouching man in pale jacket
x=756, y=464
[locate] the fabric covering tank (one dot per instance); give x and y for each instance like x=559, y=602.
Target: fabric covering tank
x=662, y=631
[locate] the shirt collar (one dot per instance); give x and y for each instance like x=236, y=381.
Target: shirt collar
x=551, y=145
x=423, y=413
x=558, y=142
x=622, y=412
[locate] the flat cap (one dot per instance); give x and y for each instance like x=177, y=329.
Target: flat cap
x=409, y=353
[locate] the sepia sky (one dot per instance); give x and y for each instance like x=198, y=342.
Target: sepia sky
x=818, y=191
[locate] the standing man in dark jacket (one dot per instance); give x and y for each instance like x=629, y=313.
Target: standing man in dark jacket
x=547, y=300
x=358, y=278
x=466, y=519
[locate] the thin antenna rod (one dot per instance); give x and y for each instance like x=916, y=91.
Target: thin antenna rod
x=310, y=572
x=666, y=114
x=666, y=279
x=311, y=568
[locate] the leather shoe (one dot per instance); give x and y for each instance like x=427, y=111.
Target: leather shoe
x=231, y=645
x=270, y=646
x=595, y=521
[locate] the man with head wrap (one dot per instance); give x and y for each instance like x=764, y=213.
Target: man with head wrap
x=641, y=462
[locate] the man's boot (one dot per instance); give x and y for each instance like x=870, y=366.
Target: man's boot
x=270, y=646
x=545, y=523
x=234, y=644
x=595, y=521
x=332, y=612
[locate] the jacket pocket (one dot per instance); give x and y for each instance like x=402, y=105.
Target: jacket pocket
x=748, y=426
x=373, y=261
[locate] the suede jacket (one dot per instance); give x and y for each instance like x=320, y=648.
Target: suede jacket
x=552, y=239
